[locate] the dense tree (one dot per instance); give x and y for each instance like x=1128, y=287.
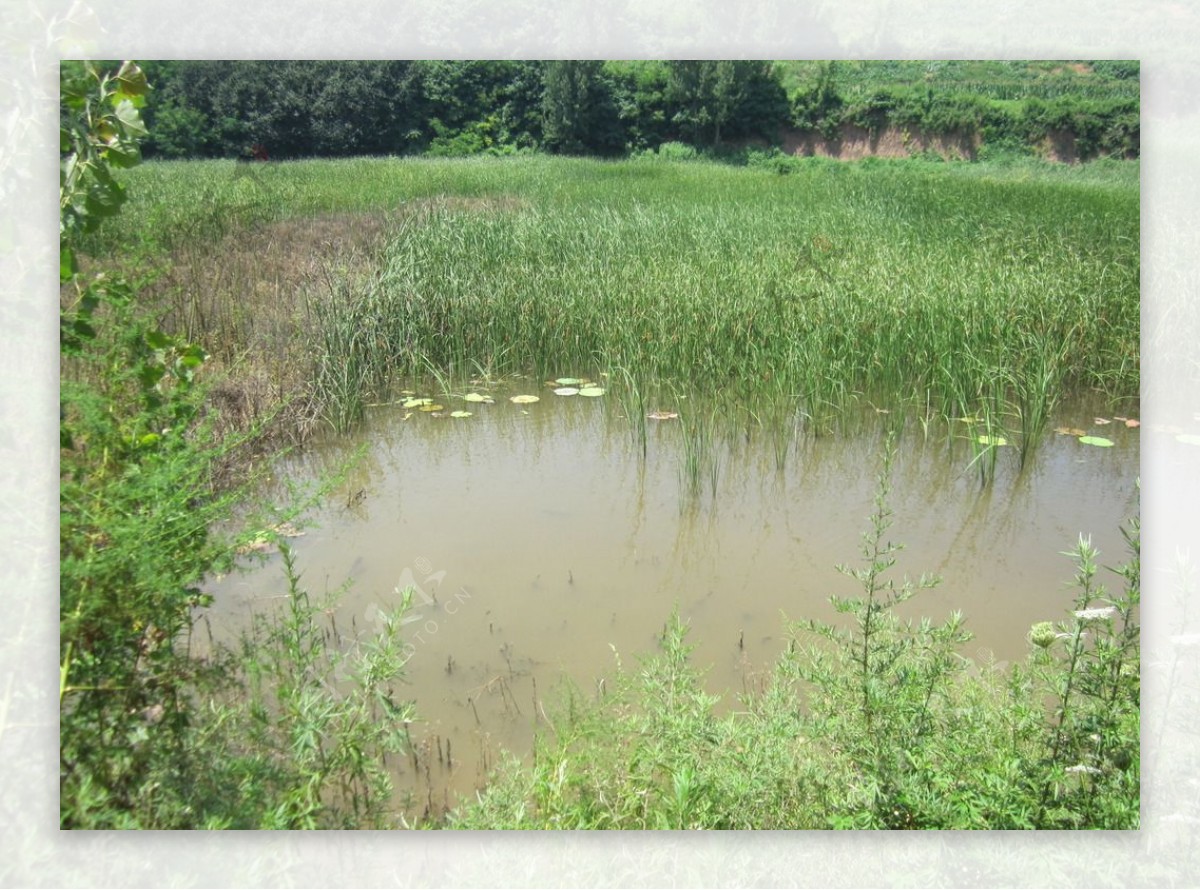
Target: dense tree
x=460, y=107
x=578, y=112
x=716, y=98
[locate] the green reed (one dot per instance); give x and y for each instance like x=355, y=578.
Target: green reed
x=948, y=286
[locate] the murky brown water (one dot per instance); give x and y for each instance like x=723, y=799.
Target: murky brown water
x=540, y=542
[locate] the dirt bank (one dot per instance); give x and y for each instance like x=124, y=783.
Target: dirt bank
x=852, y=143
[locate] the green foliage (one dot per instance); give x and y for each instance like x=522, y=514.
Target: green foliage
x=99, y=129
x=650, y=753
x=136, y=495
x=1013, y=110
x=458, y=107
x=579, y=114
x=304, y=723
x=726, y=98
x=290, y=732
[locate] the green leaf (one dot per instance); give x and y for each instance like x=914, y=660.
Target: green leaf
x=592, y=391
x=148, y=375
x=67, y=266
x=123, y=155
x=130, y=119
x=568, y=381
x=992, y=440
x=158, y=340
x=131, y=82
x=193, y=357
x=524, y=400
x=1098, y=441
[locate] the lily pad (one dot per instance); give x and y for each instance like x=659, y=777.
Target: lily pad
x=460, y=413
x=431, y=408
x=663, y=415
x=1101, y=420
x=1098, y=441
x=524, y=400
x=1070, y=431
x=992, y=440
x=568, y=381
x=417, y=403
x=1188, y=439
x=1130, y=422
x=478, y=397
x=592, y=391
x=566, y=391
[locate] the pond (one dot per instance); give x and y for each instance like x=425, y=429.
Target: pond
x=542, y=545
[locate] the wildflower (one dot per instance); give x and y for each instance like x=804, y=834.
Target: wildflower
x=1042, y=634
x=1094, y=614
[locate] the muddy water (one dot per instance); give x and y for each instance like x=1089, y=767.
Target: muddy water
x=542, y=546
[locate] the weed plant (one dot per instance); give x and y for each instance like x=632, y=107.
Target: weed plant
x=291, y=732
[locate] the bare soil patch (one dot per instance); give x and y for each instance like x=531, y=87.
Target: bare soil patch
x=853, y=143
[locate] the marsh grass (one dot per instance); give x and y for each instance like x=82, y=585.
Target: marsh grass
x=944, y=290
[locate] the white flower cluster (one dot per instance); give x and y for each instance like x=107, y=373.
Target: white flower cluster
x=1095, y=614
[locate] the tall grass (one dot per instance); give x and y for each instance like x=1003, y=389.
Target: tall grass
x=945, y=288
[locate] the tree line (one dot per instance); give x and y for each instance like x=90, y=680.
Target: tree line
x=215, y=109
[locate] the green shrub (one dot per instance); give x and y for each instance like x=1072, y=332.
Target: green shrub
x=289, y=732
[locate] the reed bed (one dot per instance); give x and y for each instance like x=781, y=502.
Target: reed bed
x=948, y=290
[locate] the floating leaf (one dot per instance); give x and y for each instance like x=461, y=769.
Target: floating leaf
x=1098, y=441
x=592, y=391
x=460, y=413
x=992, y=440
x=417, y=403
x=566, y=391
x=568, y=381
x=1101, y=420
x=1188, y=439
x=663, y=415
x=524, y=400
x=432, y=408
x=1132, y=423
x=478, y=397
